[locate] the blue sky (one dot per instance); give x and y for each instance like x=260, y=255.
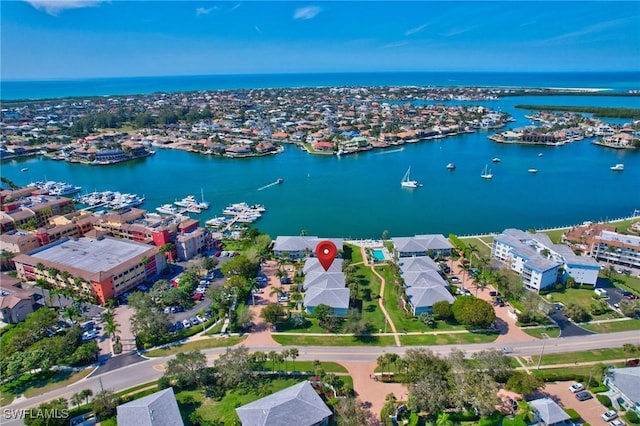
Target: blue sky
x=64, y=39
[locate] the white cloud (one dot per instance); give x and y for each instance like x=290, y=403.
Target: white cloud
x=415, y=30
x=235, y=6
x=204, y=10
x=54, y=7
x=308, y=12
x=591, y=29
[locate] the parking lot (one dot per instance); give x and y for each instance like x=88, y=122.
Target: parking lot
x=590, y=409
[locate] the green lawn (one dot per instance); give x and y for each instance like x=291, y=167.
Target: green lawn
x=561, y=374
x=556, y=235
x=312, y=327
x=585, y=356
x=294, y=340
x=632, y=283
x=539, y=331
x=483, y=249
x=370, y=284
x=356, y=254
x=582, y=296
x=447, y=339
x=223, y=411
x=42, y=384
x=402, y=321
x=614, y=326
x=197, y=345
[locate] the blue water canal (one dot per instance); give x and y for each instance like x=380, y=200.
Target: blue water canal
x=359, y=195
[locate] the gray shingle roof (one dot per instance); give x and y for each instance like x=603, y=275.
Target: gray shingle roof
x=324, y=280
x=417, y=264
x=421, y=297
x=300, y=243
x=297, y=405
x=549, y=411
x=628, y=381
x=312, y=264
x=337, y=298
x=428, y=278
x=421, y=243
x=157, y=409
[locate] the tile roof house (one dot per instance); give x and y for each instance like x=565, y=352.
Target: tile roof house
x=297, y=405
x=549, y=413
x=15, y=303
x=157, y=409
x=625, y=384
x=420, y=245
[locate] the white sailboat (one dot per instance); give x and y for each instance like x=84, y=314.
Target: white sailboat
x=407, y=182
x=486, y=172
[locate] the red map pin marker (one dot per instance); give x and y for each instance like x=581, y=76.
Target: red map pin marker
x=326, y=251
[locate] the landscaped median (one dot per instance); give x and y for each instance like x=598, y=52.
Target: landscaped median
x=196, y=345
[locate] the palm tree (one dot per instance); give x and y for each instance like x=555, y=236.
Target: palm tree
x=111, y=325
x=473, y=249
x=465, y=271
x=42, y=283
x=272, y=357
x=294, y=353
x=285, y=356
x=443, y=420
x=277, y=290
x=76, y=399
x=86, y=394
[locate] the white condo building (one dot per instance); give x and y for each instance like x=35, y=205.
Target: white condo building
x=617, y=248
x=540, y=262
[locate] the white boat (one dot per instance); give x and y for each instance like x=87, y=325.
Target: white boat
x=187, y=201
x=24, y=169
x=496, y=160
x=486, y=172
x=407, y=182
x=540, y=154
x=618, y=167
x=451, y=166
x=533, y=170
x=168, y=209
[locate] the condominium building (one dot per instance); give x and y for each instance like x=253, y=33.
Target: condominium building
x=617, y=248
x=540, y=262
x=103, y=267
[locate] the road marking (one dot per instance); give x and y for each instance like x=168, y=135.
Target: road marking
x=162, y=367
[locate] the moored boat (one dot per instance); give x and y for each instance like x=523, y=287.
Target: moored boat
x=618, y=167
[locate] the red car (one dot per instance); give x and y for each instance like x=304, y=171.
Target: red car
x=197, y=296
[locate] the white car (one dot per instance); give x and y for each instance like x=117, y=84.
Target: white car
x=618, y=422
x=186, y=323
x=576, y=387
x=91, y=334
x=609, y=415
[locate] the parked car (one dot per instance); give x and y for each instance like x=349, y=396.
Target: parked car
x=186, y=323
x=201, y=318
x=455, y=280
x=600, y=292
x=167, y=310
x=194, y=321
x=179, y=326
x=618, y=422
x=493, y=293
x=91, y=334
x=87, y=326
x=197, y=296
x=609, y=415
x=576, y=387
x=631, y=296
x=583, y=396
x=283, y=297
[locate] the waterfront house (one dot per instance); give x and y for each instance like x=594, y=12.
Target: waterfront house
x=298, y=405
x=623, y=383
x=322, y=146
x=297, y=247
x=324, y=279
x=421, y=245
x=312, y=265
x=548, y=413
x=158, y=409
x=417, y=264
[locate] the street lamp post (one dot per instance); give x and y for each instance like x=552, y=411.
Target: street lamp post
x=541, y=355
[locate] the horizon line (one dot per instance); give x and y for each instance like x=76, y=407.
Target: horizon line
x=54, y=79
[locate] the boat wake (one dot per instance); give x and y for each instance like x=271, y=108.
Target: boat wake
x=391, y=152
x=278, y=182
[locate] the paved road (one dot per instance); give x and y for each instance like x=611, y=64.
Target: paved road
x=152, y=369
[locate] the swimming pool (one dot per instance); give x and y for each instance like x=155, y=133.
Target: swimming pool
x=378, y=255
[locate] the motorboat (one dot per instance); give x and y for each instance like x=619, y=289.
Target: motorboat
x=618, y=167
x=406, y=181
x=496, y=160
x=533, y=170
x=451, y=166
